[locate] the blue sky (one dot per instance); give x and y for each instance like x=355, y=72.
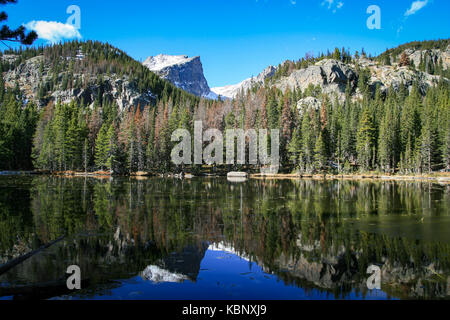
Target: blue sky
x=238, y=38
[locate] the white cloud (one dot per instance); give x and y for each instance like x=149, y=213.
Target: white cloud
x=333, y=5
x=416, y=6
x=53, y=31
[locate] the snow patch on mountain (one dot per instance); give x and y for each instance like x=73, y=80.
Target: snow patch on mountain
x=161, y=61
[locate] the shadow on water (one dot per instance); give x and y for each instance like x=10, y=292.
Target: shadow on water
x=214, y=239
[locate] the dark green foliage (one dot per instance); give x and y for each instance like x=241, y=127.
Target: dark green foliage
x=16, y=35
x=17, y=126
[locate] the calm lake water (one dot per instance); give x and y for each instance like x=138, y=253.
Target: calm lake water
x=208, y=238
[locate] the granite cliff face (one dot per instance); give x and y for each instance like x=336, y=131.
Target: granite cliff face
x=333, y=76
x=429, y=56
x=184, y=72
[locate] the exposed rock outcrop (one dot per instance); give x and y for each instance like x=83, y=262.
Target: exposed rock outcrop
x=395, y=76
x=434, y=56
x=332, y=77
x=308, y=103
x=35, y=73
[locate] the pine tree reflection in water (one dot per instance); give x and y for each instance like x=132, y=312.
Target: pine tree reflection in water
x=318, y=237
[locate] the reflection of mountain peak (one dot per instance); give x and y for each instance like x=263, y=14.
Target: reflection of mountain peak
x=224, y=247
x=177, y=266
x=157, y=275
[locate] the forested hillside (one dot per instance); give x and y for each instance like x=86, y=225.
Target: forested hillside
x=401, y=127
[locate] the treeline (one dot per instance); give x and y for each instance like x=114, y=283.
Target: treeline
x=75, y=137
x=393, y=131
x=400, y=132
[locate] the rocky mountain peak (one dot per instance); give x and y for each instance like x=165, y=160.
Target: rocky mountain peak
x=184, y=72
x=162, y=61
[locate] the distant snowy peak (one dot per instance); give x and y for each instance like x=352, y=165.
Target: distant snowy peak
x=184, y=72
x=161, y=61
x=231, y=91
x=187, y=74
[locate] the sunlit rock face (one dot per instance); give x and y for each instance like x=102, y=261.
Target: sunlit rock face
x=428, y=56
x=184, y=72
x=333, y=78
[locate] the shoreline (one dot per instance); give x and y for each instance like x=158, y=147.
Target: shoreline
x=375, y=177
x=436, y=177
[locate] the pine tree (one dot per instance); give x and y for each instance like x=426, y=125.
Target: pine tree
x=388, y=141
x=112, y=163
x=294, y=147
x=365, y=140
x=102, y=148
x=308, y=143
x=73, y=139
x=286, y=128
x=18, y=35
x=427, y=147
x=320, y=154
x=446, y=150
x=132, y=149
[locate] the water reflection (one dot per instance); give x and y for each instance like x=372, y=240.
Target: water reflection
x=215, y=239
